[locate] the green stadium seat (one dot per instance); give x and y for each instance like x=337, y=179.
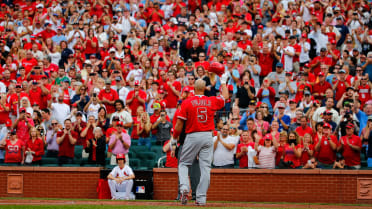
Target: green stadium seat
x=71, y=165
x=49, y=160
x=131, y=154
x=78, y=151
x=363, y=160
x=146, y=156
x=138, y=149
x=50, y=165
x=157, y=149
x=134, y=163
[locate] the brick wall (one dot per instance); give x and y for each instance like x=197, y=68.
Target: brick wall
x=321, y=186
x=53, y=182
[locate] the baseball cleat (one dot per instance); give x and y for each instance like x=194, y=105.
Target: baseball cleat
x=199, y=203
x=183, y=198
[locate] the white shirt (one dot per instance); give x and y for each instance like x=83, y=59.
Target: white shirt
x=22, y=29
x=136, y=73
x=124, y=116
x=126, y=24
x=317, y=115
x=93, y=110
x=2, y=87
x=288, y=60
x=125, y=172
x=60, y=112
x=75, y=35
x=167, y=9
x=123, y=93
x=221, y=155
x=304, y=56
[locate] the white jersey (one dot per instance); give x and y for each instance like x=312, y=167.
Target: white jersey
x=286, y=59
x=304, y=56
x=124, y=172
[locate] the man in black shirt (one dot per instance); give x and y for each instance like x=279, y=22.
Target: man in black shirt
x=245, y=94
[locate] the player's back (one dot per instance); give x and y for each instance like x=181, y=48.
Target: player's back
x=198, y=112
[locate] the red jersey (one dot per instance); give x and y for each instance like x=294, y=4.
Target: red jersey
x=364, y=93
x=134, y=134
x=13, y=151
x=4, y=115
x=204, y=64
x=321, y=89
x=266, y=63
x=323, y=60
x=67, y=149
x=290, y=155
x=341, y=88
x=37, y=146
x=305, y=155
x=111, y=96
x=326, y=155
x=171, y=99
x=198, y=112
x=89, y=135
x=36, y=96
x=352, y=157
x=28, y=64
x=135, y=102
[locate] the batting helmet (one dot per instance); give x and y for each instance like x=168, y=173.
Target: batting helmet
x=120, y=157
x=217, y=68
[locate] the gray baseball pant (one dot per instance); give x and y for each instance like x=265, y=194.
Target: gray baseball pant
x=196, y=144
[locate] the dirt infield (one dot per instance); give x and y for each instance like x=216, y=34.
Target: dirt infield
x=170, y=203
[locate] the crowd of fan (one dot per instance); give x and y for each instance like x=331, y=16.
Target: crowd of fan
x=106, y=74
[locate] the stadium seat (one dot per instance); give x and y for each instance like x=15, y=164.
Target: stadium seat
x=49, y=160
x=138, y=149
x=157, y=149
x=78, y=151
x=134, y=163
x=146, y=156
x=363, y=160
x=131, y=154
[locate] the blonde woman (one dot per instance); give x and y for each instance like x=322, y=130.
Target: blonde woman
x=143, y=130
x=307, y=149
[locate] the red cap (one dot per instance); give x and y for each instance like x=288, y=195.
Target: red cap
x=228, y=54
x=8, y=123
x=307, y=65
x=304, y=35
x=260, y=27
x=326, y=125
x=120, y=123
x=74, y=105
x=289, y=73
x=350, y=125
x=292, y=100
x=140, y=5
x=120, y=156
x=333, y=41
x=22, y=109
x=128, y=46
x=136, y=83
x=161, y=91
x=186, y=89
x=230, y=88
x=157, y=30
x=320, y=74
x=267, y=136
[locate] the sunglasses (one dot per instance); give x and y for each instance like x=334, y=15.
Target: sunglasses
x=264, y=107
x=225, y=129
x=232, y=128
x=53, y=124
x=191, y=79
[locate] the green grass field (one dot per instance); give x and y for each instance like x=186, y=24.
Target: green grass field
x=100, y=207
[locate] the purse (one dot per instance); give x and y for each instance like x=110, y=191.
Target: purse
x=29, y=158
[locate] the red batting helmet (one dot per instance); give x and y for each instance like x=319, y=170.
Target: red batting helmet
x=217, y=68
x=120, y=157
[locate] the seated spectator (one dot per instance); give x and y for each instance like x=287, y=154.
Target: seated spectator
x=120, y=180
x=223, y=149
x=14, y=148
x=339, y=163
x=96, y=147
x=350, y=145
x=51, y=139
x=312, y=163
x=66, y=140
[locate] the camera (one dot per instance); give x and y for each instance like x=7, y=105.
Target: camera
x=94, y=94
x=246, y=83
x=92, y=74
x=116, y=71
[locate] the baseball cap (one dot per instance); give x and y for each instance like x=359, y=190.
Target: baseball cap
x=136, y=83
x=307, y=93
x=327, y=112
x=66, y=80
x=13, y=132
x=108, y=81
x=304, y=35
x=281, y=105
x=40, y=6
x=349, y=125
x=156, y=106
x=333, y=41
x=288, y=73
x=112, y=50
x=161, y=91
x=279, y=64
x=260, y=26
x=342, y=71
x=252, y=102
x=292, y=101
x=186, y=89
x=8, y=123
x=370, y=117
x=34, y=82
x=22, y=109
x=326, y=125
x=120, y=157
x=117, y=78
x=116, y=118
x=320, y=74
x=284, y=92
x=323, y=49
x=307, y=65
x=120, y=123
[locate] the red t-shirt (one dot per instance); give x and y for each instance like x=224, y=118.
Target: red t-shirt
x=171, y=98
x=4, y=115
x=89, y=49
x=323, y=60
x=67, y=149
x=28, y=64
x=305, y=155
x=290, y=155
x=111, y=96
x=321, y=89
x=134, y=134
x=341, y=88
x=301, y=132
x=326, y=155
x=37, y=146
x=352, y=158
x=89, y=135
x=171, y=162
x=243, y=161
x=198, y=112
x=364, y=93
x=266, y=63
x=36, y=96
x=135, y=102
x=13, y=152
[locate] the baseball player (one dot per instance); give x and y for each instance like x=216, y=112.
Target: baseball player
x=197, y=113
x=120, y=180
